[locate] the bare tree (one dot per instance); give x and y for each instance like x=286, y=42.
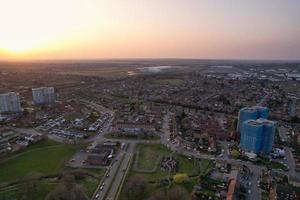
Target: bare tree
x=178, y=193
x=135, y=188
x=67, y=190
x=159, y=195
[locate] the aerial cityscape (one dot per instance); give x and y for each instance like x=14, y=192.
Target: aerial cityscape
x=198, y=129
x=136, y=100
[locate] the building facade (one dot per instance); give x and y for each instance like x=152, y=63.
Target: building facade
x=253, y=113
x=257, y=136
x=10, y=103
x=43, y=95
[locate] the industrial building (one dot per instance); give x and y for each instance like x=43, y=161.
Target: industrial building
x=10, y=103
x=257, y=136
x=43, y=95
x=253, y=113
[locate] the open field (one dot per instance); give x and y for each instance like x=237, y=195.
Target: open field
x=42, y=159
x=148, y=155
x=48, y=159
x=147, y=160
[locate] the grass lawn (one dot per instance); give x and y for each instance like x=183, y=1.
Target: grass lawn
x=90, y=185
x=186, y=165
x=205, y=167
x=148, y=154
x=189, y=185
x=45, y=157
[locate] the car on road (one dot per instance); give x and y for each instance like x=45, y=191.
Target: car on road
x=97, y=196
x=102, y=186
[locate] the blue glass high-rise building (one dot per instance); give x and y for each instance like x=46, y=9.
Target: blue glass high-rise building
x=254, y=113
x=257, y=136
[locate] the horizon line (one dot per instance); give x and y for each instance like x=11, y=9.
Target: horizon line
x=146, y=58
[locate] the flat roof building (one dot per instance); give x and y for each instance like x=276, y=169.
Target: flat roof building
x=10, y=103
x=43, y=95
x=253, y=112
x=257, y=136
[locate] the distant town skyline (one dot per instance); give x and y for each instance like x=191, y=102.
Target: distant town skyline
x=201, y=29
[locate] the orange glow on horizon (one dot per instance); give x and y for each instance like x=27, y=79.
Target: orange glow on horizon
x=84, y=29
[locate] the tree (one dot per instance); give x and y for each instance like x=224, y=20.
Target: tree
x=135, y=188
x=25, y=112
x=235, y=153
x=94, y=116
x=159, y=195
x=180, y=178
x=67, y=190
x=27, y=189
x=68, y=181
x=295, y=119
x=178, y=193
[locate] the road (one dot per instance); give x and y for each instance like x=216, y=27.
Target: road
x=106, y=181
x=283, y=133
x=120, y=174
x=255, y=190
x=114, y=176
x=291, y=163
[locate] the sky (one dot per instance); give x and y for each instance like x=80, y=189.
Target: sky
x=204, y=29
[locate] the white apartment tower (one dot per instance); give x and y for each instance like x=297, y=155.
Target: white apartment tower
x=10, y=103
x=43, y=95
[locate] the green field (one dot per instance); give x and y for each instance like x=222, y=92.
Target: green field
x=44, y=158
x=147, y=159
x=148, y=155
x=49, y=159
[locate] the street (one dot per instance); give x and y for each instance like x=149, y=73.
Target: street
x=116, y=172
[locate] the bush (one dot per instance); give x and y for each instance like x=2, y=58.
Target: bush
x=180, y=178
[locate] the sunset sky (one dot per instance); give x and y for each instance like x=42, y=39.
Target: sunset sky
x=89, y=29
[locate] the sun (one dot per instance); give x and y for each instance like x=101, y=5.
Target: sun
x=34, y=24
x=18, y=47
